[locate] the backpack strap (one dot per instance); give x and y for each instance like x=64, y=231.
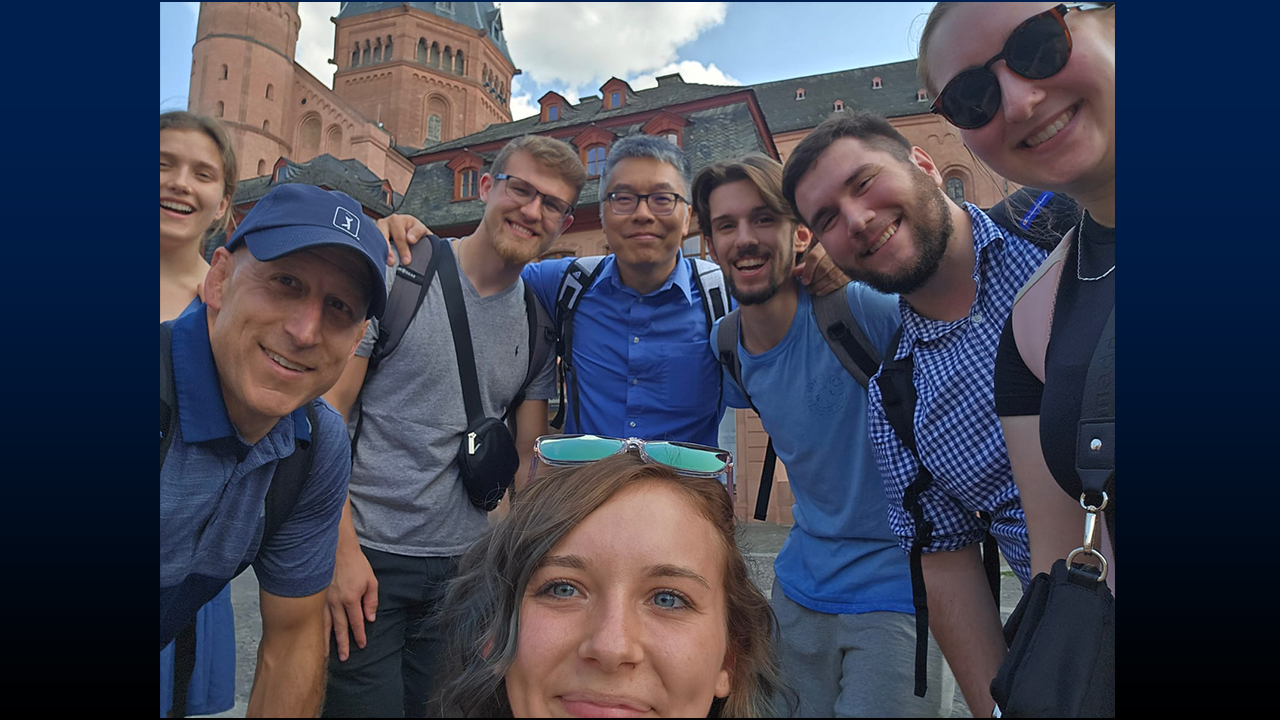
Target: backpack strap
x=542, y=342
x=846, y=337
x=710, y=281
x=408, y=290
x=727, y=335
x=577, y=279
x=291, y=476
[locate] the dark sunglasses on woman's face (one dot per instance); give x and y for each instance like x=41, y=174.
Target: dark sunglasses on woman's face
x=1037, y=49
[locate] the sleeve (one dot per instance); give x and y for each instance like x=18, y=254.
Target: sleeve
x=365, y=348
x=877, y=311
x=954, y=527
x=544, y=278
x=733, y=395
x=298, y=560
x=1017, y=390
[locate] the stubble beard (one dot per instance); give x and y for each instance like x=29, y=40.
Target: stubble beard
x=932, y=227
x=765, y=293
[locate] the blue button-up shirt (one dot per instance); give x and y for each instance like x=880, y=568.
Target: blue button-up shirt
x=956, y=427
x=213, y=486
x=644, y=367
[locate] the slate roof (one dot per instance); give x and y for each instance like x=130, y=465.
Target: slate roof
x=713, y=134
x=896, y=98
x=476, y=15
x=349, y=176
x=671, y=90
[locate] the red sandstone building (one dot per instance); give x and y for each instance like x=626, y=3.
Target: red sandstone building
x=420, y=107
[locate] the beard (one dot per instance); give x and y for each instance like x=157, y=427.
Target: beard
x=510, y=249
x=776, y=278
x=931, y=226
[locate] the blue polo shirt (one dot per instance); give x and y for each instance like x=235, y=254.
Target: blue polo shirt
x=643, y=363
x=213, y=486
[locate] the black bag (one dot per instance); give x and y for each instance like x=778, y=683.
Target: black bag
x=1062, y=635
x=488, y=459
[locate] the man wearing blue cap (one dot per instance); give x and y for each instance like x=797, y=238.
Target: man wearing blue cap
x=286, y=302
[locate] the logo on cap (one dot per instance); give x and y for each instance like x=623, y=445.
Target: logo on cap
x=347, y=222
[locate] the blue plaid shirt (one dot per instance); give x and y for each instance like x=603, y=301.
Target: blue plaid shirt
x=957, y=430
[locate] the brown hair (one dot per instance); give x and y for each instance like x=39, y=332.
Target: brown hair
x=217, y=132
x=762, y=171
x=480, y=614
x=864, y=126
x=930, y=26
x=555, y=155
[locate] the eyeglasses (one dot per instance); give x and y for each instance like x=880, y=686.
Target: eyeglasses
x=1037, y=49
x=660, y=203
x=685, y=458
x=524, y=193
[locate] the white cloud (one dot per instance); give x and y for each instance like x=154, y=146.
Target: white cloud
x=523, y=106
x=692, y=72
x=315, y=39
x=580, y=45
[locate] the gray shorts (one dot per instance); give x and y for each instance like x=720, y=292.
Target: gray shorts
x=856, y=665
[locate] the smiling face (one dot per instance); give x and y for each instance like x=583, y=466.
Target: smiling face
x=520, y=233
x=1057, y=133
x=883, y=221
x=282, y=331
x=191, y=185
x=626, y=616
x=754, y=245
x=642, y=240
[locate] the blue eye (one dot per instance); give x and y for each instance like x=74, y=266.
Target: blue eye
x=669, y=600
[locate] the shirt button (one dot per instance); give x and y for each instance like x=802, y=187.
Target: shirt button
x=635, y=381
x=977, y=318
x=635, y=339
x=640, y=300
x=633, y=423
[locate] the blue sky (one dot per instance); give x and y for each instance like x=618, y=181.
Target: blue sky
x=722, y=43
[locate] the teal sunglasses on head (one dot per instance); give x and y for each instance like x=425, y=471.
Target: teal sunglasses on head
x=685, y=458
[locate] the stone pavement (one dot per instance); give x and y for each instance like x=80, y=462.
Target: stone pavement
x=759, y=542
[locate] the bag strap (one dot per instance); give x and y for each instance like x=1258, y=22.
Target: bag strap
x=1096, y=433
x=577, y=279
x=541, y=345
x=451, y=286
x=727, y=335
x=291, y=475
x=709, y=279
x=845, y=336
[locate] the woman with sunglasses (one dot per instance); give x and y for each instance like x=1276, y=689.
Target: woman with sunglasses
x=1031, y=87
x=197, y=180
x=614, y=586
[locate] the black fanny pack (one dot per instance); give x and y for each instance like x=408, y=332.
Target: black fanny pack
x=487, y=459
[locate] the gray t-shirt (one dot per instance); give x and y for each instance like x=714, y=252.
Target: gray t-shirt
x=406, y=497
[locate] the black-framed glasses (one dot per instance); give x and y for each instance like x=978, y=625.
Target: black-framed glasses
x=688, y=459
x=660, y=203
x=523, y=192
x=1037, y=49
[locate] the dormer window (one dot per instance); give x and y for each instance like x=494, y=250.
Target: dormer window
x=595, y=160
x=614, y=93
x=615, y=100
x=839, y=106
x=553, y=113
x=466, y=175
x=922, y=95
x=552, y=106
x=467, y=184
x=876, y=84
x=799, y=93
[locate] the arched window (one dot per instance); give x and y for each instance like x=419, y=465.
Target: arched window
x=434, y=59
x=355, y=56
x=467, y=184
x=365, y=58
x=220, y=109
x=333, y=141
x=422, y=51
x=876, y=84
x=224, y=72
x=838, y=106
x=922, y=95
x=266, y=126
x=458, y=68
x=386, y=50
x=262, y=168
x=799, y=93
x=448, y=58
x=309, y=138
x=433, y=128
x=377, y=50
x=955, y=189
x=271, y=92
x=595, y=159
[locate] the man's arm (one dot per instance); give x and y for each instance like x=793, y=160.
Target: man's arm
x=352, y=597
x=531, y=423
x=290, y=678
x=401, y=232
x=965, y=621
x=344, y=393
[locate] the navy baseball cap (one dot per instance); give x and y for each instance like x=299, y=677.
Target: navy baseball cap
x=295, y=217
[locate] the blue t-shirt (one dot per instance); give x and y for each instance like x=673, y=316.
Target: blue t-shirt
x=841, y=556
x=643, y=364
x=213, y=486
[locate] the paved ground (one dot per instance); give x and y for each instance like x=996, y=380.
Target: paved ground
x=759, y=542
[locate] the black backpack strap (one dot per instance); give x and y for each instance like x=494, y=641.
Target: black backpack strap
x=898, y=393
x=454, y=302
x=577, y=279
x=542, y=342
x=291, y=475
x=168, y=393
x=1038, y=216
x=727, y=351
x=846, y=337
